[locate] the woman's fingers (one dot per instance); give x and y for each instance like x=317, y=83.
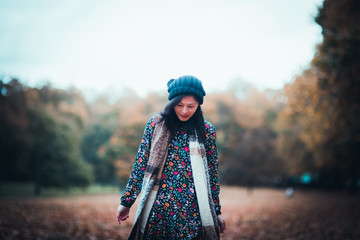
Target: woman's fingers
x=122, y=213
x=222, y=227
x=122, y=219
x=221, y=224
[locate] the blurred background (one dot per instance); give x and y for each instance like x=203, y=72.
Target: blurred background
x=79, y=80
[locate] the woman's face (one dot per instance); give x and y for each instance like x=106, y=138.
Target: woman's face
x=186, y=108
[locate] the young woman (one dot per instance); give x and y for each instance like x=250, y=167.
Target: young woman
x=176, y=171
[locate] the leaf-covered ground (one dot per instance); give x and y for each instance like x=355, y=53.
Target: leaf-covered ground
x=260, y=214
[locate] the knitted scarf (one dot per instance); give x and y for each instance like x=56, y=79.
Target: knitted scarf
x=152, y=178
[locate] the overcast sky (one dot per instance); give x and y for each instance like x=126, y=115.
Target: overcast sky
x=109, y=45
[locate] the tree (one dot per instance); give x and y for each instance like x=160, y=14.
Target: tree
x=56, y=154
x=320, y=120
x=33, y=145
x=14, y=147
x=246, y=141
x=338, y=69
x=94, y=138
x=302, y=125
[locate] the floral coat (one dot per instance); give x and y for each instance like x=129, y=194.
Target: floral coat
x=175, y=213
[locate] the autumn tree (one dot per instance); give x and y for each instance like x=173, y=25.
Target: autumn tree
x=56, y=154
x=319, y=126
x=133, y=113
x=39, y=138
x=338, y=69
x=302, y=125
x=14, y=148
x=243, y=117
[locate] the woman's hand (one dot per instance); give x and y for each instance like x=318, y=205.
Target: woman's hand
x=122, y=213
x=221, y=223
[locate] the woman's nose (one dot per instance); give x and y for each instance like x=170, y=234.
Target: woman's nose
x=185, y=110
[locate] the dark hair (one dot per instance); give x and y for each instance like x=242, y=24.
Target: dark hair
x=194, y=126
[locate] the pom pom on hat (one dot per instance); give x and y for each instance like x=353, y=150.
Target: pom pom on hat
x=186, y=85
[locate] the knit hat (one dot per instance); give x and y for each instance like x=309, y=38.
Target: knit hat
x=186, y=85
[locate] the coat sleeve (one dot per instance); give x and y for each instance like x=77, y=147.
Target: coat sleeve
x=212, y=158
x=134, y=184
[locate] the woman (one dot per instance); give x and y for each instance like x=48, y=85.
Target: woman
x=176, y=171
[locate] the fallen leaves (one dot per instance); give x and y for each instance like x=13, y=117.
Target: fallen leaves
x=262, y=214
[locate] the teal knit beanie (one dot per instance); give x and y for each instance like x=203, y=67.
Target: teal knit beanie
x=186, y=85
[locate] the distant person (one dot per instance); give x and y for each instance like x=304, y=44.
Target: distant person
x=249, y=186
x=176, y=170
x=289, y=192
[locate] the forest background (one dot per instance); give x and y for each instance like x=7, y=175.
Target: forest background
x=305, y=134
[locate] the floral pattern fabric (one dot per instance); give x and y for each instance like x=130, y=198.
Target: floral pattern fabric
x=175, y=213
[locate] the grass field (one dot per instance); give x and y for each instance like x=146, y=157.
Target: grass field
x=262, y=214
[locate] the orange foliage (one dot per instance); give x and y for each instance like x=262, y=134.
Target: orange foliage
x=77, y=106
x=303, y=124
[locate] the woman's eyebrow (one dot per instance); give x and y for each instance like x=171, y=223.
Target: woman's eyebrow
x=193, y=103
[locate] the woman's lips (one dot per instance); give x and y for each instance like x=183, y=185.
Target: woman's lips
x=184, y=117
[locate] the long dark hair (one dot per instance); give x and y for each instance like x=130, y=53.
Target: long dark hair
x=194, y=126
